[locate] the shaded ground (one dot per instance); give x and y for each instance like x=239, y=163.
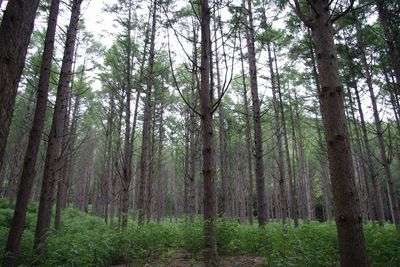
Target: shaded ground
x=185, y=259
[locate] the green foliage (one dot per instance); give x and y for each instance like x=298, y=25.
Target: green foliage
x=383, y=244
x=85, y=240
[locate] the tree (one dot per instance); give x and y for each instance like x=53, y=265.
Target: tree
x=259, y=162
x=15, y=32
x=207, y=133
x=145, y=154
x=57, y=130
x=348, y=217
x=29, y=167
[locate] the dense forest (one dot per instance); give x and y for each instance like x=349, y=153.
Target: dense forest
x=200, y=133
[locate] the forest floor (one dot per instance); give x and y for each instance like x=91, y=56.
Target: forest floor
x=182, y=258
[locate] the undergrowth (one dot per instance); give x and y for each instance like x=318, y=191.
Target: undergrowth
x=85, y=240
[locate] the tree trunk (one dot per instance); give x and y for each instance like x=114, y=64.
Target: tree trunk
x=210, y=244
x=222, y=147
x=248, y=137
x=145, y=154
x=15, y=33
x=192, y=130
x=57, y=131
x=259, y=163
x=348, y=218
x=127, y=158
x=381, y=143
x=278, y=133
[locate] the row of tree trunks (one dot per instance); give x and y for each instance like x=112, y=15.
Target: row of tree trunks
x=57, y=131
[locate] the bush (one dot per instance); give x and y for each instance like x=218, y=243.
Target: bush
x=85, y=240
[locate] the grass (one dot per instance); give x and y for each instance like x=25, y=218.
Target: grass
x=85, y=240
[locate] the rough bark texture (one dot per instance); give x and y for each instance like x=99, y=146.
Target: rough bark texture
x=207, y=132
x=15, y=33
x=57, y=131
x=348, y=217
x=29, y=163
x=259, y=163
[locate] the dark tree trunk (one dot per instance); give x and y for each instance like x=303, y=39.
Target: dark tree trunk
x=278, y=133
x=57, y=131
x=210, y=244
x=145, y=154
x=15, y=33
x=127, y=157
x=259, y=163
x=248, y=137
x=292, y=199
x=224, y=200
x=192, y=130
x=348, y=218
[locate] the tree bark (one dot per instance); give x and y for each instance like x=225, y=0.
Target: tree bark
x=15, y=33
x=145, y=155
x=248, y=137
x=259, y=163
x=57, y=131
x=348, y=218
x=127, y=158
x=207, y=132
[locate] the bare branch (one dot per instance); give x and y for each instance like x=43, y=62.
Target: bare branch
x=299, y=13
x=348, y=9
x=175, y=81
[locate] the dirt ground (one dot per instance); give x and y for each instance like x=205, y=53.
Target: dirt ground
x=185, y=259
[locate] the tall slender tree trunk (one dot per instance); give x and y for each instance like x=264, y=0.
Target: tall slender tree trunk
x=259, y=163
x=57, y=131
x=373, y=174
x=127, y=158
x=222, y=146
x=208, y=152
x=278, y=133
x=15, y=33
x=348, y=218
x=145, y=155
x=192, y=129
x=248, y=136
x=292, y=200
x=323, y=160
x=29, y=165
x=381, y=143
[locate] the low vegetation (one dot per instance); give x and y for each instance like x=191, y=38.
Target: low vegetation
x=85, y=240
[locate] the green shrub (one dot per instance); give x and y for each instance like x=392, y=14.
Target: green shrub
x=85, y=240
